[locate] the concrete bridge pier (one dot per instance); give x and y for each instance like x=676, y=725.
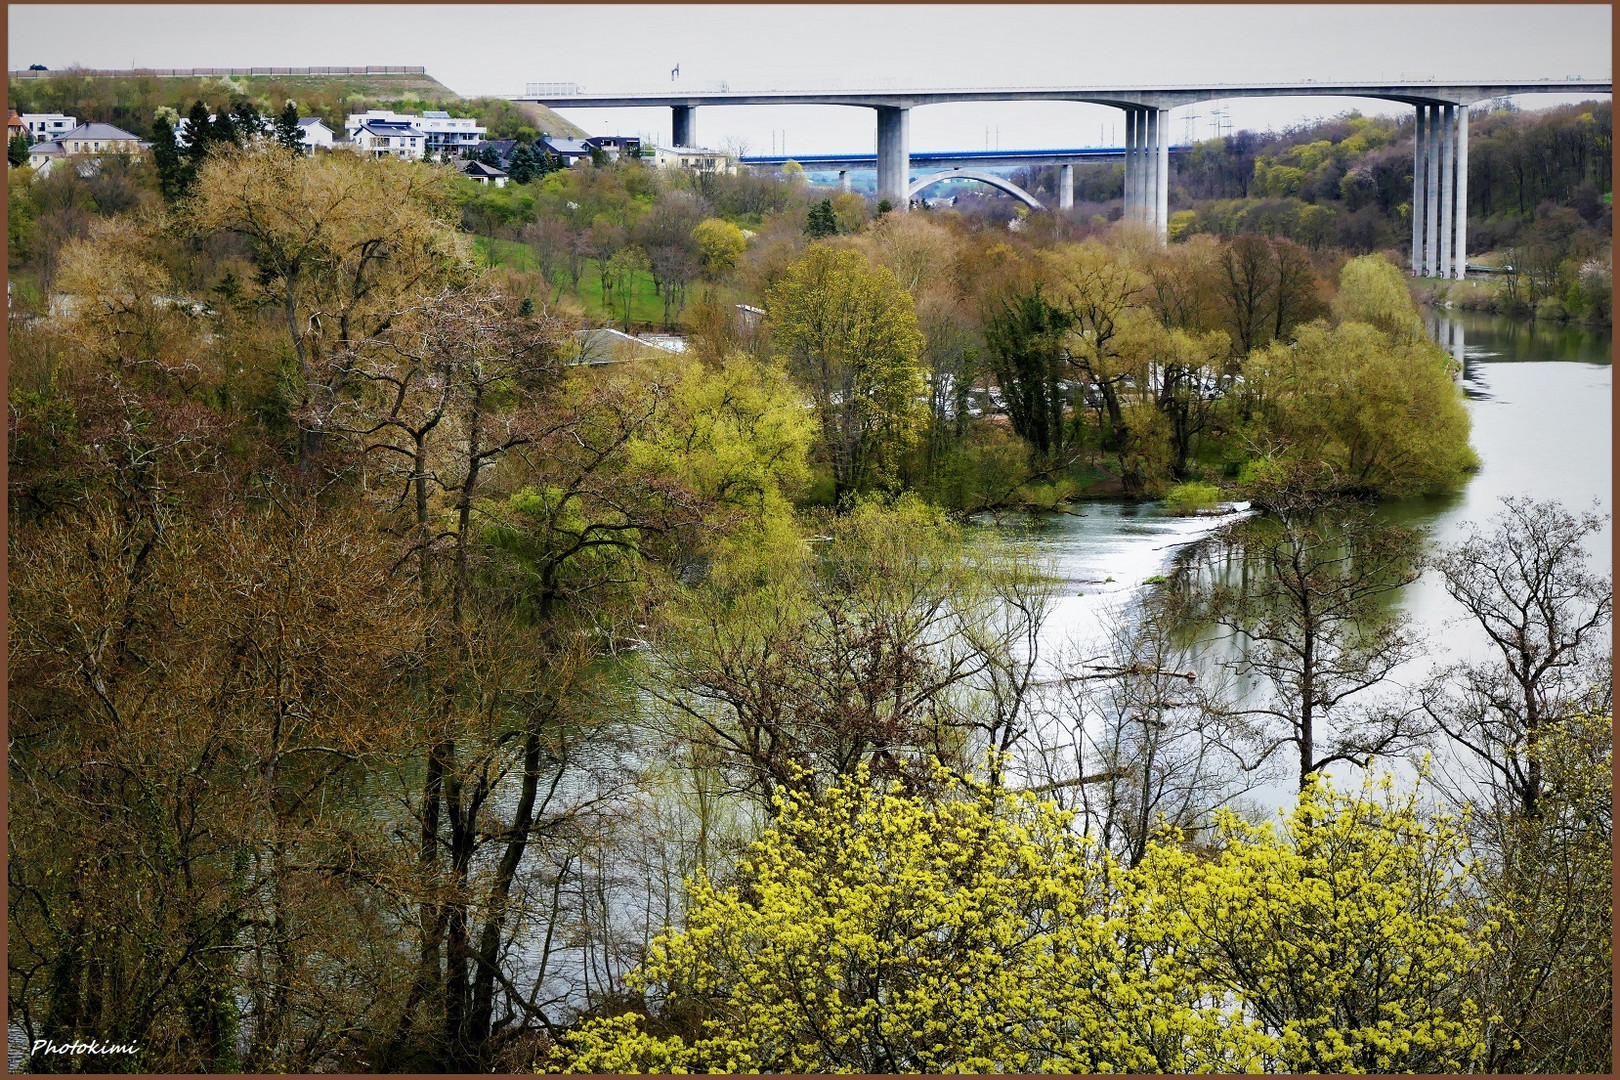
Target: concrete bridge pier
x=894, y=155
x=1448, y=184
x=1431, y=216
x=1065, y=187
x=1462, y=203
x=1420, y=130
x=1147, y=169
x=1161, y=173
x=843, y=179
x=1133, y=169
x=684, y=127
x=1440, y=192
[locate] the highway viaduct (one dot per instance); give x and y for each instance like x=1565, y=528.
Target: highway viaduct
x=1440, y=157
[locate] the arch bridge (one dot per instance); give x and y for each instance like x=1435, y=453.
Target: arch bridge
x=974, y=174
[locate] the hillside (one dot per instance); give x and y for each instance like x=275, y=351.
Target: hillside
x=132, y=101
x=1347, y=182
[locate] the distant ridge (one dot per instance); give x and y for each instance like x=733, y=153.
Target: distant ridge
x=191, y=73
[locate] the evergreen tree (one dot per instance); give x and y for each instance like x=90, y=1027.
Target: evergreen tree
x=524, y=165
x=489, y=157
x=288, y=133
x=599, y=157
x=17, y=149
x=199, y=132
x=223, y=130
x=822, y=221
x=175, y=172
x=246, y=121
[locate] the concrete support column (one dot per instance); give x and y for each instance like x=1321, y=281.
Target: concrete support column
x=843, y=179
x=894, y=155
x=684, y=125
x=1135, y=162
x=1462, y=198
x=1065, y=187
x=1448, y=186
x=1431, y=220
x=1143, y=162
x=1419, y=130
x=1129, y=192
x=1150, y=152
x=1162, y=173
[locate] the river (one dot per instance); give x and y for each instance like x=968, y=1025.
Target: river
x=1540, y=399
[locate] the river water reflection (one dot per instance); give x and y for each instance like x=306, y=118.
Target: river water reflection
x=1540, y=398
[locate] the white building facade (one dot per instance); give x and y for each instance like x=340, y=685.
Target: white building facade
x=46, y=127
x=441, y=133
x=382, y=138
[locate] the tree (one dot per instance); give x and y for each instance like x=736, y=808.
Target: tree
x=1266, y=288
x=200, y=132
x=1373, y=290
x=1023, y=335
x=176, y=173
x=1311, y=592
x=246, y=122
x=891, y=640
x=342, y=245
x=720, y=244
x=666, y=233
x=822, y=222
x=1373, y=416
x=849, y=333
x=17, y=149
x=1527, y=584
x=1550, y=878
x=627, y=264
x=1343, y=934
x=875, y=931
x=287, y=131
x=973, y=930
x=1101, y=291
x=524, y=164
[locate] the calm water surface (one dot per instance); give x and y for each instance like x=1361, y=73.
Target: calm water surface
x=1540, y=398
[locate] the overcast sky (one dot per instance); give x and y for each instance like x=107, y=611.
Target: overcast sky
x=495, y=49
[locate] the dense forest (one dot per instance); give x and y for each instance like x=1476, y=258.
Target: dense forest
x=392, y=689
x=1539, y=187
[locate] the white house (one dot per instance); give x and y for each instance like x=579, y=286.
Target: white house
x=441, y=132
x=315, y=135
x=483, y=174
x=44, y=127
x=691, y=157
x=383, y=138
x=83, y=140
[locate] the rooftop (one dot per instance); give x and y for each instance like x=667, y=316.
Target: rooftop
x=100, y=132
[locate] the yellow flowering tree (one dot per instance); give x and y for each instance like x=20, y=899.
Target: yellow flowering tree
x=1343, y=935
x=875, y=931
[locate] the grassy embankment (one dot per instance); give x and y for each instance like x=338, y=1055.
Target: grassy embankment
x=131, y=101
x=646, y=306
